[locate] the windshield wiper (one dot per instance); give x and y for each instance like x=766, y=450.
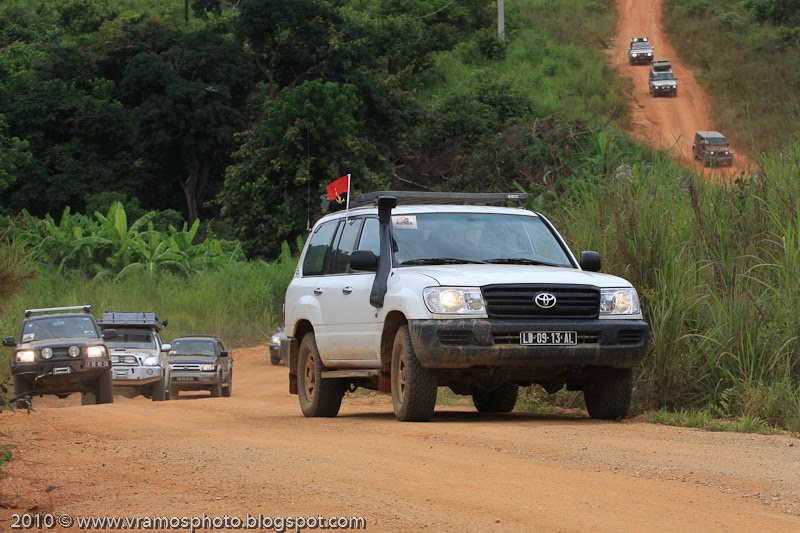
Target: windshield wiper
x=441, y=261
x=521, y=261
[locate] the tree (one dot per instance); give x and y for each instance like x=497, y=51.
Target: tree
x=309, y=136
x=14, y=155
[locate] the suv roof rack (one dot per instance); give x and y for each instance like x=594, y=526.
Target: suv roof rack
x=84, y=308
x=435, y=198
x=661, y=65
x=132, y=319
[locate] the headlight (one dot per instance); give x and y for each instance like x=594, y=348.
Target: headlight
x=47, y=353
x=275, y=340
x=26, y=356
x=208, y=368
x=712, y=152
x=454, y=300
x=95, y=351
x=619, y=302
x=151, y=361
x=74, y=351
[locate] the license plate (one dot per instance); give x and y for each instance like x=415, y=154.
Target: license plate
x=184, y=378
x=548, y=338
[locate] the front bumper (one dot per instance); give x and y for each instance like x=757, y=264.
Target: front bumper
x=495, y=343
x=61, y=375
x=718, y=160
x=640, y=60
x=196, y=380
x=665, y=91
x=274, y=350
x=135, y=376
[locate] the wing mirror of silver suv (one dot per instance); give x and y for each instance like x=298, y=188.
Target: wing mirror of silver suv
x=364, y=260
x=166, y=347
x=590, y=261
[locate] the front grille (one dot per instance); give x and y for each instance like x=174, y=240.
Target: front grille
x=630, y=336
x=455, y=337
x=185, y=368
x=61, y=353
x=517, y=301
x=584, y=337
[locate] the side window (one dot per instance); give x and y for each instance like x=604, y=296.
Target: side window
x=370, y=237
x=314, y=261
x=347, y=242
x=220, y=347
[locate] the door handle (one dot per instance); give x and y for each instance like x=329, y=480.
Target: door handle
x=347, y=290
x=318, y=291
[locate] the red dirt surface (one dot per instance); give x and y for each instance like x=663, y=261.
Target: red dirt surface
x=668, y=123
x=464, y=471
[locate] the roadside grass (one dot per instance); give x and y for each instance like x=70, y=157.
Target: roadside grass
x=750, y=69
x=704, y=419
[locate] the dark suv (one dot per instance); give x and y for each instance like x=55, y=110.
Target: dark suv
x=60, y=352
x=200, y=362
x=711, y=148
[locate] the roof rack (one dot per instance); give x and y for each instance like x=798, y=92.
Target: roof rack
x=132, y=319
x=435, y=198
x=84, y=308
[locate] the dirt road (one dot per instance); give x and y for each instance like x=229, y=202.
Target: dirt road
x=463, y=471
x=668, y=123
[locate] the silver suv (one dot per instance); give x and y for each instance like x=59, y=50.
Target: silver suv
x=445, y=290
x=138, y=364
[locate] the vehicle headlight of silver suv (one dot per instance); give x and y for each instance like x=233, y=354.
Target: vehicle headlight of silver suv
x=454, y=300
x=619, y=302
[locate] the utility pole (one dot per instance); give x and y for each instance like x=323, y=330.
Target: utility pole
x=501, y=20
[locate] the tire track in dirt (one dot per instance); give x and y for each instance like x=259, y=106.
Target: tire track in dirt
x=668, y=123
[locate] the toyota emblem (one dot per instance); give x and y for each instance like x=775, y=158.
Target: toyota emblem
x=545, y=300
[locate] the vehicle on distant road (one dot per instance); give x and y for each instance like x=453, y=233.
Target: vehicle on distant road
x=200, y=362
x=137, y=362
x=640, y=52
x=59, y=352
x=448, y=290
x=663, y=84
x=711, y=148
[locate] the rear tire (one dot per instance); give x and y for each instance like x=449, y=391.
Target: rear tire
x=413, y=386
x=501, y=400
x=318, y=397
x=608, y=394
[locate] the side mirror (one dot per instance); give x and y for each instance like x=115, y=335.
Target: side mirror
x=166, y=347
x=109, y=334
x=9, y=341
x=223, y=354
x=590, y=261
x=364, y=260
x=164, y=323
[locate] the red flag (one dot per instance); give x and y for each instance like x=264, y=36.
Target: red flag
x=337, y=190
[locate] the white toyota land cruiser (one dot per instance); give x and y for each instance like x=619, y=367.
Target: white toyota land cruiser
x=445, y=290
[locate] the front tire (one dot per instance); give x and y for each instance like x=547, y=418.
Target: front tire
x=104, y=393
x=501, y=400
x=23, y=390
x=160, y=391
x=608, y=394
x=227, y=391
x=275, y=359
x=216, y=388
x=413, y=386
x=318, y=397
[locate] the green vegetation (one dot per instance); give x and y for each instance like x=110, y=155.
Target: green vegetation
x=747, y=54
x=706, y=420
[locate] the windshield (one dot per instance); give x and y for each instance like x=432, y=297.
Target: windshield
x=192, y=347
x=640, y=46
x=59, y=328
x=451, y=238
x=716, y=141
x=133, y=338
x=664, y=76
